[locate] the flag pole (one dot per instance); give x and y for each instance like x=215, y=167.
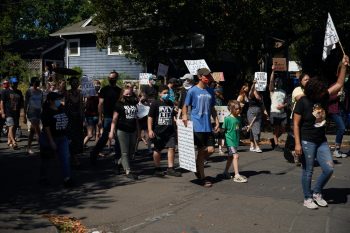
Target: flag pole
x=341, y=46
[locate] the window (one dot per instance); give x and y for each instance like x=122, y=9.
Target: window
x=73, y=47
x=117, y=49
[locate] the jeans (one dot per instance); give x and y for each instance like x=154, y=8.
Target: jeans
x=104, y=137
x=323, y=155
x=339, y=122
x=62, y=146
x=127, y=144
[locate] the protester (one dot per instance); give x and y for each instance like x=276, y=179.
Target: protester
x=172, y=85
x=53, y=139
x=298, y=92
x=243, y=97
x=187, y=84
x=5, y=86
x=32, y=109
x=231, y=127
x=254, y=115
x=201, y=99
x=107, y=100
x=124, y=129
x=91, y=114
x=74, y=106
x=310, y=135
x=150, y=90
x=11, y=104
x=278, y=115
x=161, y=129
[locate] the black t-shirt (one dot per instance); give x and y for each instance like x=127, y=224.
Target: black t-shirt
x=313, y=120
x=127, y=116
x=182, y=97
x=110, y=95
x=13, y=102
x=57, y=120
x=162, y=114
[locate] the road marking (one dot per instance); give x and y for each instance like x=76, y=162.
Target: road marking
x=151, y=220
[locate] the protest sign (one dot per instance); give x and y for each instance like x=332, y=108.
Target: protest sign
x=87, y=86
x=218, y=76
x=222, y=112
x=280, y=64
x=194, y=65
x=187, y=155
x=162, y=70
x=144, y=78
x=261, y=81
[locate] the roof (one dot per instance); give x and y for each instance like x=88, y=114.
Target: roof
x=34, y=48
x=82, y=27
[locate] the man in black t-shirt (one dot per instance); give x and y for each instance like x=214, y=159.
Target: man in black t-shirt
x=161, y=129
x=107, y=100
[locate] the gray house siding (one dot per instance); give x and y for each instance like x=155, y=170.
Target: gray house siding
x=97, y=63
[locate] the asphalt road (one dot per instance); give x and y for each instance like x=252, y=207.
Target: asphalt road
x=271, y=201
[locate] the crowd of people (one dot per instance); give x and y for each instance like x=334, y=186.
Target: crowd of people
x=64, y=121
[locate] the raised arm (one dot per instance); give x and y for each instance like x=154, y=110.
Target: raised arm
x=272, y=78
x=341, y=77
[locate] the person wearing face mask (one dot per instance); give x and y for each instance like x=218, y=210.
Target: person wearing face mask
x=107, y=99
x=124, y=129
x=201, y=99
x=161, y=130
x=53, y=139
x=74, y=106
x=187, y=84
x=91, y=114
x=150, y=90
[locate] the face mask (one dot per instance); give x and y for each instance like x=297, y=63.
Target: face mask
x=165, y=97
x=205, y=81
x=152, y=82
x=57, y=103
x=128, y=99
x=97, y=88
x=187, y=85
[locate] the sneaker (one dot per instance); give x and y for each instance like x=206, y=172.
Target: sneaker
x=158, y=172
x=319, y=200
x=310, y=204
x=173, y=172
x=132, y=176
x=258, y=150
x=240, y=179
x=252, y=149
x=337, y=154
x=278, y=148
x=30, y=152
x=226, y=175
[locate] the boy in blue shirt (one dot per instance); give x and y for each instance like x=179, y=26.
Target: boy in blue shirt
x=202, y=100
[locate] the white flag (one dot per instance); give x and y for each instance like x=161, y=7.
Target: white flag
x=330, y=38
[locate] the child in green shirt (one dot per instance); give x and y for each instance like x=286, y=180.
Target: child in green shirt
x=231, y=126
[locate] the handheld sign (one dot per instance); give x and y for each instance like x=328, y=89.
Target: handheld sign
x=162, y=70
x=261, y=81
x=194, y=65
x=218, y=76
x=144, y=78
x=87, y=86
x=187, y=155
x=280, y=64
x=222, y=112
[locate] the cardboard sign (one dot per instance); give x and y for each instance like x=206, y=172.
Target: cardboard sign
x=261, y=81
x=187, y=155
x=144, y=78
x=194, y=65
x=218, y=76
x=222, y=112
x=87, y=86
x=162, y=70
x=280, y=64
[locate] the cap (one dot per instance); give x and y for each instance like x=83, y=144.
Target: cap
x=5, y=81
x=187, y=76
x=54, y=96
x=172, y=80
x=203, y=71
x=13, y=79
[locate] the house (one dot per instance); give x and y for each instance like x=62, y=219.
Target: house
x=81, y=51
x=39, y=53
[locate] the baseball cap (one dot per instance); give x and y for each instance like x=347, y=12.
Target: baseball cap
x=203, y=71
x=187, y=76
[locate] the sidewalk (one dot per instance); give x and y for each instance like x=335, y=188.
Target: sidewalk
x=271, y=201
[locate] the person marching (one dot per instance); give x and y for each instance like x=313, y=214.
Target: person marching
x=161, y=129
x=231, y=127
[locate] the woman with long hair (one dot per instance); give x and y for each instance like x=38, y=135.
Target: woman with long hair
x=310, y=135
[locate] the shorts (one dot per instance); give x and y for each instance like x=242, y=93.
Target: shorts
x=232, y=150
x=12, y=121
x=204, y=139
x=91, y=121
x=278, y=118
x=220, y=134
x=161, y=142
